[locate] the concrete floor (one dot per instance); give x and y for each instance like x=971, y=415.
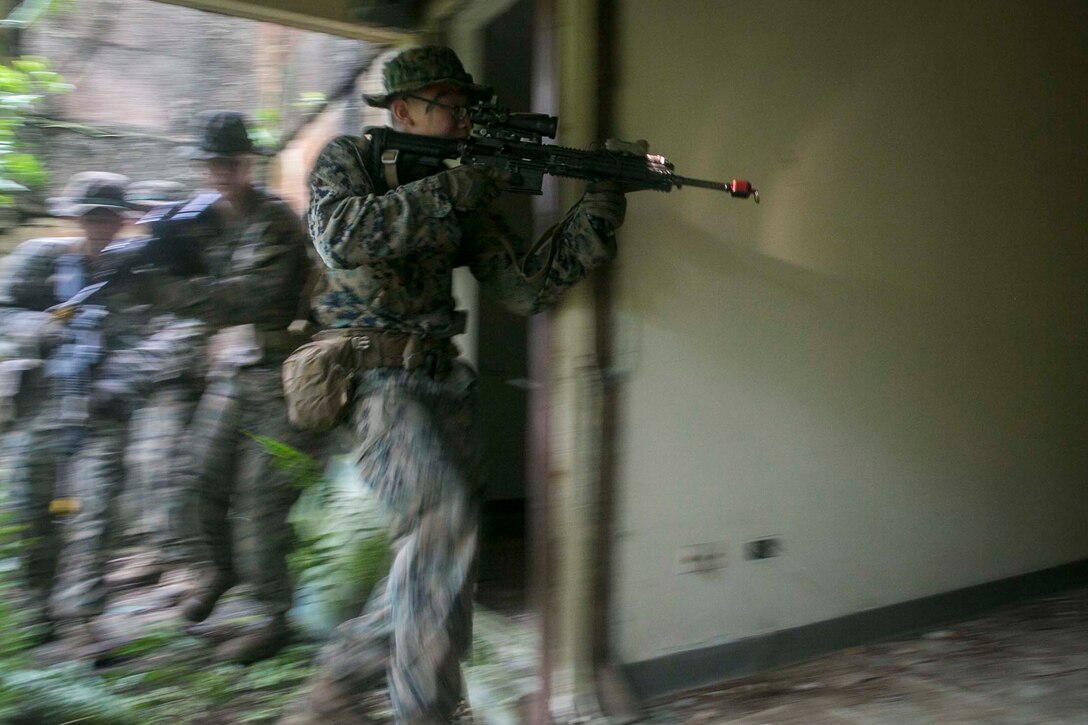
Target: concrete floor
x=1021, y=665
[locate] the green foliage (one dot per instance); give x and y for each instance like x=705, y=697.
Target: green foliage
x=66, y=693
x=264, y=128
x=182, y=687
x=305, y=470
x=343, y=548
x=164, y=679
x=14, y=643
x=23, y=85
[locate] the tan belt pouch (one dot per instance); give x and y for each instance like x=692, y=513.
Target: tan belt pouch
x=318, y=378
x=318, y=382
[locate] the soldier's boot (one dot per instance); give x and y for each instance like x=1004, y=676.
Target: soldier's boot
x=90, y=639
x=327, y=703
x=43, y=629
x=256, y=645
x=43, y=626
x=199, y=603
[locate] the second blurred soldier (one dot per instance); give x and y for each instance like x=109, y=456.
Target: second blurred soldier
x=258, y=271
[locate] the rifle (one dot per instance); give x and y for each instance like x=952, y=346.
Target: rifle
x=173, y=243
x=513, y=142
x=71, y=368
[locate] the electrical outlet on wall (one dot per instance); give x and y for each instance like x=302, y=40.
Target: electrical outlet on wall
x=700, y=558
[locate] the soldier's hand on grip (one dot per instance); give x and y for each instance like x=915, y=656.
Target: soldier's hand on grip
x=470, y=186
x=604, y=200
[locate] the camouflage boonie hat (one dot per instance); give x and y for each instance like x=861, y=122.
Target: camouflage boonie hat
x=90, y=190
x=223, y=133
x=418, y=68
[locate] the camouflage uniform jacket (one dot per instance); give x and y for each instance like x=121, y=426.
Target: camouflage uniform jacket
x=26, y=290
x=28, y=274
x=143, y=343
x=27, y=333
x=257, y=269
x=390, y=253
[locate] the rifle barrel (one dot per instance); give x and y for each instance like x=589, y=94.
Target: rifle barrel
x=682, y=181
x=737, y=187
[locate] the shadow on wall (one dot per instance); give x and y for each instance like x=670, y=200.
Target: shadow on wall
x=950, y=410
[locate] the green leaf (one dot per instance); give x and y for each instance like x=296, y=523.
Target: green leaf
x=30, y=64
x=304, y=469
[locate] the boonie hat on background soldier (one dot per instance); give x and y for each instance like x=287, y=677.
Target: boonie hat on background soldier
x=145, y=195
x=418, y=68
x=90, y=190
x=222, y=134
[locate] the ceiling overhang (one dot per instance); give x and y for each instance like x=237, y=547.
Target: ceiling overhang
x=377, y=21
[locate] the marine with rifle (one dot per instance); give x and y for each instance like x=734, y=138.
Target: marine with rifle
x=390, y=231
x=106, y=340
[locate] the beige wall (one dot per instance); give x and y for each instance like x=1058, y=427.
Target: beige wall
x=884, y=362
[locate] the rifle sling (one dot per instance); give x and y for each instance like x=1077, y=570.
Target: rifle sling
x=389, y=167
x=550, y=236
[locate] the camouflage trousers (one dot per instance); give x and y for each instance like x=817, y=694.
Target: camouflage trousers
x=154, y=500
x=35, y=460
x=242, y=498
x=96, y=477
x=415, y=444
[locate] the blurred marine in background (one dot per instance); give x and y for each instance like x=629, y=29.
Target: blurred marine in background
x=253, y=287
x=159, y=436
x=31, y=450
x=109, y=341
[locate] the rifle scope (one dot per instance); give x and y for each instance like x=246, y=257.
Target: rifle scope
x=489, y=117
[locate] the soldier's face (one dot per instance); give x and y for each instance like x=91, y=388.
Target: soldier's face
x=230, y=175
x=436, y=111
x=100, y=226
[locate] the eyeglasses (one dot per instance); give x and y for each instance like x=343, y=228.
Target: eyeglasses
x=458, y=113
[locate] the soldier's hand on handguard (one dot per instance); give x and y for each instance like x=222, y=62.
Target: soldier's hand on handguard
x=635, y=148
x=470, y=187
x=604, y=200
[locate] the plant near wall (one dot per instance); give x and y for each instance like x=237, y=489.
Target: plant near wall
x=32, y=694
x=14, y=644
x=164, y=677
x=342, y=549
x=24, y=83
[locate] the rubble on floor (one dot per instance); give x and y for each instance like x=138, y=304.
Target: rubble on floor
x=1025, y=664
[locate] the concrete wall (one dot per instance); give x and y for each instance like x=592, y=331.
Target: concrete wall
x=883, y=364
